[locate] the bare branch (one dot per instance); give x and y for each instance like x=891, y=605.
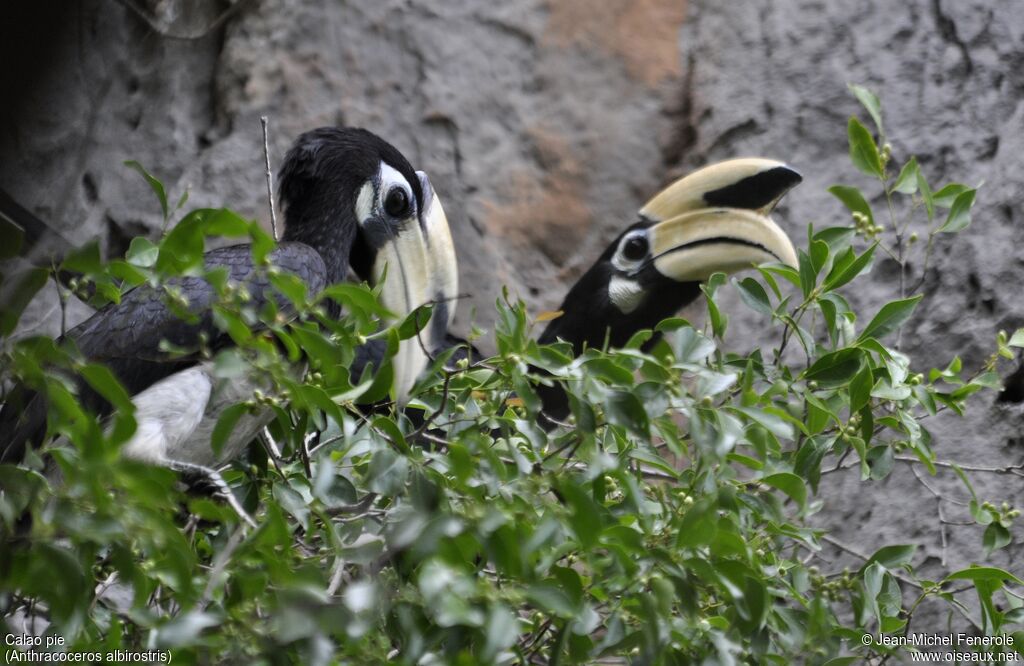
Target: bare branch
x=270, y=179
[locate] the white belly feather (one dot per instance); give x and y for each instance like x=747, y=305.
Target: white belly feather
x=176, y=416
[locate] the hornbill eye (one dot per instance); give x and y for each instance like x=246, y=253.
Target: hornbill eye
x=396, y=204
x=635, y=248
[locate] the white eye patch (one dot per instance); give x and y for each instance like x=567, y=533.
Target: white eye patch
x=364, y=202
x=626, y=294
x=633, y=250
x=371, y=199
x=389, y=178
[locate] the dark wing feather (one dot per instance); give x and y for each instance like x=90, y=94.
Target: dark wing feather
x=126, y=336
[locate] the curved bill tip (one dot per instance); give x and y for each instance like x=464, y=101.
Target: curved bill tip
x=750, y=183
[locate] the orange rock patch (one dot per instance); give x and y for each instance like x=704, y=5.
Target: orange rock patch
x=545, y=209
x=643, y=33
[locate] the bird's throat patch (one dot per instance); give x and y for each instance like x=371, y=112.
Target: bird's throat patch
x=626, y=294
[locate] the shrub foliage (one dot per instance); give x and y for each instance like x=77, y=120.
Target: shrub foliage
x=667, y=522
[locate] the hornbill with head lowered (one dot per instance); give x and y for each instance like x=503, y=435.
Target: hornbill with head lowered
x=350, y=199
x=713, y=220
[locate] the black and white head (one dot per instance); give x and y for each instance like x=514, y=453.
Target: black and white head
x=359, y=202
x=714, y=220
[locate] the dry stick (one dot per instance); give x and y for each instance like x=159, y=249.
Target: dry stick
x=272, y=449
x=850, y=550
x=270, y=178
x=1016, y=470
x=336, y=577
x=942, y=531
x=62, y=299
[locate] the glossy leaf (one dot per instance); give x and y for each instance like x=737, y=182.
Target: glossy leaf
x=863, y=150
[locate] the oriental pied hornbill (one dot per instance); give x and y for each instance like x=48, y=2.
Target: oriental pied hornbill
x=350, y=199
x=713, y=220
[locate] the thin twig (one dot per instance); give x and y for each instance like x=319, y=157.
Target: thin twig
x=304, y=452
x=270, y=179
x=273, y=452
x=359, y=507
x=942, y=531
x=437, y=412
x=1016, y=470
x=850, y=550
x=336, y=577
x=62, y=299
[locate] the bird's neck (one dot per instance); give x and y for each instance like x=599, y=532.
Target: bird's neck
x=329, y=239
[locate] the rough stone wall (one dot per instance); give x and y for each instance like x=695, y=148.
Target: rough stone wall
x=545, y=124
x=770, y=78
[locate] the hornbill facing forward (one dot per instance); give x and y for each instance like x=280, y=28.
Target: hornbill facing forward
x=714, y=220
x=350, y=199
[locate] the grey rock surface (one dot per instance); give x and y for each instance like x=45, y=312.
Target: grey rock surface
x=545, y=124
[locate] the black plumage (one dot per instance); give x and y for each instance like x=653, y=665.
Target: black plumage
x=319, y=183
x=651, y=287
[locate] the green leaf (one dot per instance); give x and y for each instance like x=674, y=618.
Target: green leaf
x=356, y=296
x=837, y=238
x=926, y=194
x=387, y=472
x=501, y=630
x=819, y=253
x=946, y=195
x=860, y=388
x=698, y=526
x=12, y=237
x=870, y=102
x=314, y=397
x=890, y=317
x=791, y=484
x=853, y=199
x=225, y=425
x=995, y=537
x=142, y=252
x=977, y=573
x=836, y=367
x=154, y=184
x=808, y=276
x=863, y=150
x=754, y=295
x=85, y=259
x=182, y=248
x=625, y=409
x=17, y=298
x=185, y=629
x=223, y=222
x=551, y=598
x=182, y=200
x=906, y=182
x=843, y=274
x=960, y=213
x=102, y=380
x=773, y=420
x=718, y=319
x=290, y=286
x=873, y=577
x=1017, y=339
x=893, y=557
